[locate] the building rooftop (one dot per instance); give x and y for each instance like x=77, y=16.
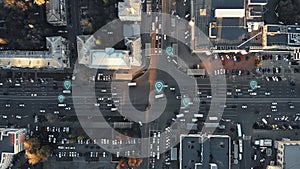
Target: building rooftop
x=108, y=58
x=199, y=151
x=291, y=156
x=129, y=10
x=225, y=4
x=54, y=57
x=56, y=12
x=229, y=13
x=263, y=2
x=11, y=142
x=131, y=30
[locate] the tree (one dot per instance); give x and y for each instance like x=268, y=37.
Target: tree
x=39, y=2
x=9, y=3
x=288, y=11
x=34, y=152
x=106, y=2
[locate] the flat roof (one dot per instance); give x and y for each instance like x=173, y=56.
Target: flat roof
x=191, y=152
x=229, y=13
x=219, y=147
x=277, y=39
x=291, y=156
x=273, y=28
x=198, y=151
x=232, y=33
x=226, y=4
x=258, y=1
x=232, y=22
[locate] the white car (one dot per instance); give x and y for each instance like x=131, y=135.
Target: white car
x=244, y=106
x=273, y=107
x=97, y=104
x=68, y=108
x=18, y=117
x=56, y=112
x=21, y=105
x=253, y=94
x=33, y=94
x=274, y=110
x=172, y=88
x=42, y=110
x=267, y=93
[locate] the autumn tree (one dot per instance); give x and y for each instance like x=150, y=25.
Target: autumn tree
x=39, y=2
x=34, y=152
x=9, y=3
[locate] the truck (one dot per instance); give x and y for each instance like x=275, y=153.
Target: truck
x=239, y=130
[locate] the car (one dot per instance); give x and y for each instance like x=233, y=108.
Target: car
x=267, y=93
x=68, y=108
x=238, y=90
x=274, y=103
x=244, y=106
x=18, y=117
x=33, y=94
x=172, y=88
x=97, y=104
x=4, y=116
x=253, y=94
x=273, y=107
x=7, y=105
x=56, y=112
x=274, y=110
x=21, y=105
x=42, y=110
x=178, y=97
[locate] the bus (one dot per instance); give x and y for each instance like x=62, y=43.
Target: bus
x=132, y=84
x=239, y=130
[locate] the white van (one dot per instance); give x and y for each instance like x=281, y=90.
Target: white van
x=179, y=115
x=159, y=96
x=67, y=91
x=132, y=84
x=62, y=105
x=113, y=109
x=213, y=118
x=264, y=120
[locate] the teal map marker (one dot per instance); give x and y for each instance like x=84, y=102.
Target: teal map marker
x=186, y=101
x=159, y=86
x=169, y=50
x=253, y=84
x=67, y=84
x=61, y=98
